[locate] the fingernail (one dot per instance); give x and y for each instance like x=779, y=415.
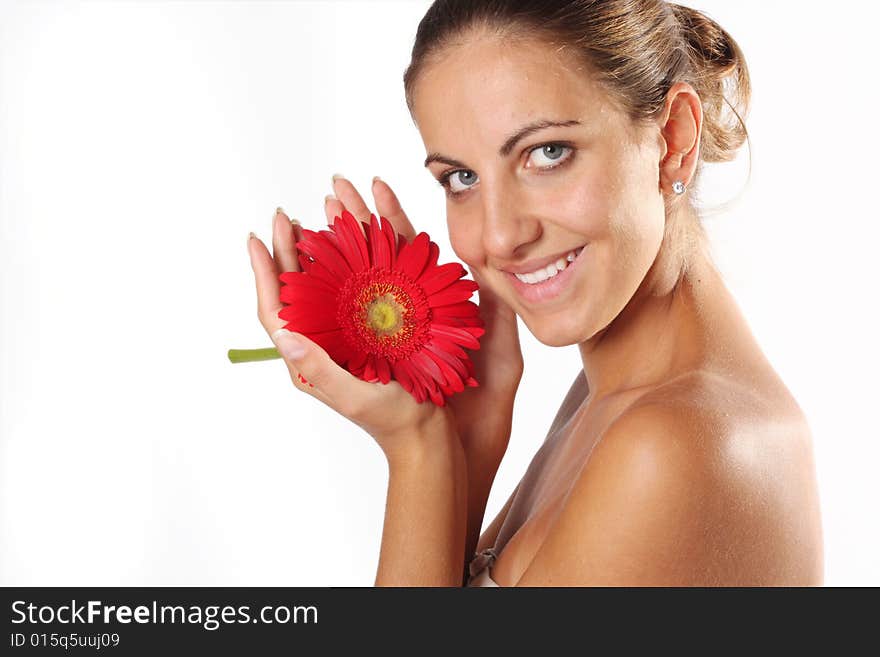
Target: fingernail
x=375, y=178
x=251, y=236
x=338, y=176
x=295, y=222
x=289, y=345
x=329, y=197
x=279, y=210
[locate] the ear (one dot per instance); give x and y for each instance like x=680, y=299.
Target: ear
x=680, y=128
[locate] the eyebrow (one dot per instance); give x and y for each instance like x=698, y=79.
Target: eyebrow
x=509, y=143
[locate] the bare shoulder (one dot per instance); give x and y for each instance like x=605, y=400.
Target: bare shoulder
x=725, y=425
x=702, y=481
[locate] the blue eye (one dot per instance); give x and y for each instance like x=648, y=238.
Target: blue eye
x=462, y=175
x=553, y=151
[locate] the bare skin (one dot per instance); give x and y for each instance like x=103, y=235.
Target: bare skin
x=679, y=456
x=742, y=467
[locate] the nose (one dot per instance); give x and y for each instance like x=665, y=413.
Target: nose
x=507, y=224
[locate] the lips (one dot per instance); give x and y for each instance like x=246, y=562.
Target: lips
x=540, y=263
x=538, y=293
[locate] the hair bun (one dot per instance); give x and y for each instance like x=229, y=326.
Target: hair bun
x=721, y=78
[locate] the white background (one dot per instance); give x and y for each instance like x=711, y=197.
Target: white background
x=140, y=142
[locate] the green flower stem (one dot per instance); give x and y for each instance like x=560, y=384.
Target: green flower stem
x=249, y=355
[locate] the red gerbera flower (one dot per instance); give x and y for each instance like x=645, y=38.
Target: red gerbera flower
x=383, y=308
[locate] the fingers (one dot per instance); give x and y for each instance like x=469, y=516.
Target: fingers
x=349, y=197
x=491, y=304
x=327, y=381
x=333, y=208
x=499, y=319
x=269, y=304
x=299, y=379
x=283, y=238
x=267, y=283
x=388, y=206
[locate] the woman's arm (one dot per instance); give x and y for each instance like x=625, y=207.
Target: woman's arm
x=426, y=512
x=480, y=477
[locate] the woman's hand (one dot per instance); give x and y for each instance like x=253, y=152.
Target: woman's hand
x=482, y=414
x=387, y=412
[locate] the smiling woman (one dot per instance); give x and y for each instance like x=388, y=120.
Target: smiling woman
x=569, y=137
x=580, y=129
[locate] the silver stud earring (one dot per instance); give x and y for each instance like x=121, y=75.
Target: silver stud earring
x=678, y=187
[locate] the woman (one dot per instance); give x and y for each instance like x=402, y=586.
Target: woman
x=569, y=136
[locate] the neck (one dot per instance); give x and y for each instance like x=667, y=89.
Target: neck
x=659, y=334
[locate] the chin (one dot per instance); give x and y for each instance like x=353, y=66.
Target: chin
x=552, y=334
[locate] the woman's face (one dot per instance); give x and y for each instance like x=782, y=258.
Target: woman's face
x=587, y=184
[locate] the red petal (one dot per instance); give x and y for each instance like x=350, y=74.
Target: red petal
x=437, y=397
x=402, y=375
x=383, y=369
x=459, y=335
x=294, y=277
x=317, y=304
x=453, y=370
x=459, y=291
x=392, y=237
x=457, y=315
x=333, y=342
x=449, y=347
x=305, y=319
x=421, y=379
x=319, y=271
x=369, y=374
x=306, y=287
x=428, y=366
x=380, y=253
x=437, y=278
x=401, y=242
x=433, y=255
x=412, y=258
x=352, y=243
x=324, y=252
x=357, y=361
x=458, y=310
x=300, y=294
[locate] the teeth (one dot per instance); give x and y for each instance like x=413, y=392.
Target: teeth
x=550, y=270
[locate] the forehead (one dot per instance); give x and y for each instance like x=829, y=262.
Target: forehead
x=485, y=86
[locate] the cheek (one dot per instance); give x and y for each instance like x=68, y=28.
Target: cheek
x=591, y=200
x=629, y=232
x=634, y=238
x=633, y=214
x=464, y=239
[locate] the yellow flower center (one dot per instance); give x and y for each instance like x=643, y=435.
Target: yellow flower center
x=385, y=315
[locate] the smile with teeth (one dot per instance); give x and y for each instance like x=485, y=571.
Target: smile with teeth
x=550, y=270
